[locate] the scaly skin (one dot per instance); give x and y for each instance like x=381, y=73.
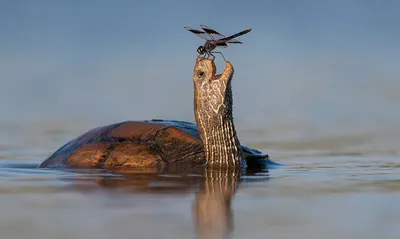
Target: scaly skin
x=213, y=113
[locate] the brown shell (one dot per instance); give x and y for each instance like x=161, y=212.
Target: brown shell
x=136, y=144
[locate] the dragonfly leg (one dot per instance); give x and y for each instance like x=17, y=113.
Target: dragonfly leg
x=221, y=54
x=213, y=57
x=204, y=55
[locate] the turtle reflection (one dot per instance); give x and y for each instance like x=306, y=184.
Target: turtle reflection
x=214, y=190
x=212, y=209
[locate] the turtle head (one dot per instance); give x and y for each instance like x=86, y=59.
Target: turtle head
x=213, y=95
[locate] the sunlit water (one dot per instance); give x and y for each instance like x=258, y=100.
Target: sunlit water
x=331, y=187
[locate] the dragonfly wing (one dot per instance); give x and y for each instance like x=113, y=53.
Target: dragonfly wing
x=234, y=41
x=212, y=33
x=199, y=33
x=235, y=35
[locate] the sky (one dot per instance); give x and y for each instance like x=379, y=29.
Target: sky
x=314, y=62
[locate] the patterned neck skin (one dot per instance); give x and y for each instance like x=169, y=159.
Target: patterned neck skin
x=213, y=113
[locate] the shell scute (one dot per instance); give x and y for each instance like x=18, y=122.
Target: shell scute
x=89, y=155
x=130, y=154
x=135, y=130
x=95, y=133
x=174, y=144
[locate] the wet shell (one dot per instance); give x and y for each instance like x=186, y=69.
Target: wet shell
x=137, y=144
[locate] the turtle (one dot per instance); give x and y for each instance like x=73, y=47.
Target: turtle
x=169, y=144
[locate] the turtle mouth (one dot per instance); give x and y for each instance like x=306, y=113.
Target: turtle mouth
x=226, y=74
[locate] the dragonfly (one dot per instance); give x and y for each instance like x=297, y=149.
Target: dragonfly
x=214, y=39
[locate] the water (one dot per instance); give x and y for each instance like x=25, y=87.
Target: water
x=332, y=187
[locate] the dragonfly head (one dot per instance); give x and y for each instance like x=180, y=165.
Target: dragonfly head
x=201, y=50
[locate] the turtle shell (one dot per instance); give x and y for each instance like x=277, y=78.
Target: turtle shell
x=139, y=144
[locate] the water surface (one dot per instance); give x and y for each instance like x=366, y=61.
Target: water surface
x=337, y=187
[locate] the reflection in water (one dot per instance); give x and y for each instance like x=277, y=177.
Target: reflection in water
x=212, y=211
x=212, y=208
x=144, y=204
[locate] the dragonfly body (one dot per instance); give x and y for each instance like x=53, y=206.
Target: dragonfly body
x=214, y=39
x=209, y=46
